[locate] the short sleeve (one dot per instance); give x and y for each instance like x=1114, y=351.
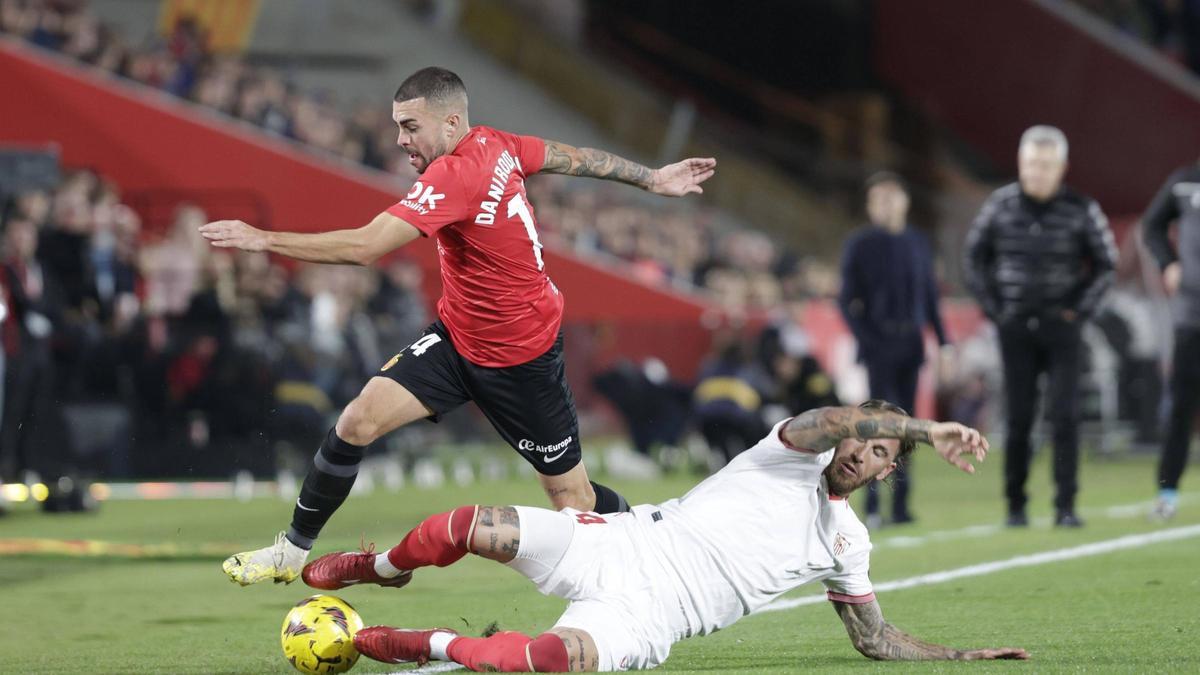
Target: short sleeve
x=435, y=201
x=531, y=150
x=852, y=585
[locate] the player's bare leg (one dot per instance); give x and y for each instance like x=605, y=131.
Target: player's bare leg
x=574, y=490
x=381, y=407
x=570, y=490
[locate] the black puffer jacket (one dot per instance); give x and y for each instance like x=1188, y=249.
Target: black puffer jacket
x=1027, y=258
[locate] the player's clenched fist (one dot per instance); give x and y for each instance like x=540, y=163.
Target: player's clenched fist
x=234, y=234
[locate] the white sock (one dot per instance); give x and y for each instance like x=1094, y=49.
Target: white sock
x=384, y=567
x=439, y=642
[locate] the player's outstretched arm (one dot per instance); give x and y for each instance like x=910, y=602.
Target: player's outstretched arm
x=877, y=639
x=359, y=246
x=672, y=180
x=822, y=428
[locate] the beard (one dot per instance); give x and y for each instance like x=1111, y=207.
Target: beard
x=841, y=483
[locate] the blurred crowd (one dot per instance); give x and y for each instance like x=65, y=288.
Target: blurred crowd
x=666, y=243
x=741, y=269
x=115, y=339
x=1172, y=26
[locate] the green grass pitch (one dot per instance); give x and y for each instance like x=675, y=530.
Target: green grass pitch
x=1135, y=610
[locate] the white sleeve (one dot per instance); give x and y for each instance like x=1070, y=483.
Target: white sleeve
x=852, y=585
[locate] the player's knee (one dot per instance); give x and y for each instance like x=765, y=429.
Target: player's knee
x=356, y=426
x=554, y=653
x=495, y=533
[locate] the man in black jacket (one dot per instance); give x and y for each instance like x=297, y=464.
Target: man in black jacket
x=889, y=295
x=1039, y=258
x=1179, y=199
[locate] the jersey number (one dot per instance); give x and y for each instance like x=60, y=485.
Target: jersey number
x=518, y=207
x=421, y=346
x=589, y=519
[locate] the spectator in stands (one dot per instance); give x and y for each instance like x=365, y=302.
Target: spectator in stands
x=729, y=397
x=889, y=296
x=1178, y=200
x=32, y=307
x=784, y=353
x=1039, y=259
x=173, y=268
x=654, y=408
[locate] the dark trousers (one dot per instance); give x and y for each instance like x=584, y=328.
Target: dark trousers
x=1030, y=347
x=1185, y=397
x=28, y=402
x=895, y=382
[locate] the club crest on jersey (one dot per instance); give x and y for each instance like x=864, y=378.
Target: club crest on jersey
x=421, y=198
x=840, y=544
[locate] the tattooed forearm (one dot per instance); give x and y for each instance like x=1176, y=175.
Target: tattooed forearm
x=896, y=645
x=883, y=424
x=876, y=639
x=822, y=428
x=565, y=159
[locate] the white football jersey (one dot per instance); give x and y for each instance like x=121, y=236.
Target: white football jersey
x=763, y=525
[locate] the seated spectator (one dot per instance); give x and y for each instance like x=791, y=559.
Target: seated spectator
x=729, y=397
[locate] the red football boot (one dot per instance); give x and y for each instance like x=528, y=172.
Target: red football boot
x=396, y=645
x=339, y=570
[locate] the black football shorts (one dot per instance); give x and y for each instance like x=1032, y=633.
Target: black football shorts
x=530, y=404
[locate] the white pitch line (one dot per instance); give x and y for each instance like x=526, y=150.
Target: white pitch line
x=1030, y=560
x=1133, y=510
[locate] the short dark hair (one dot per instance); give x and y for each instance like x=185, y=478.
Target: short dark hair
x=884, y=177
x=435, y=85
x=906, y=447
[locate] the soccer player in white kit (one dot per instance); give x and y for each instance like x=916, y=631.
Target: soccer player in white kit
x=774, y=519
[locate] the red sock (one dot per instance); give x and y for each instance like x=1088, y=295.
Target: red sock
x=510, y=652
x=439, y=540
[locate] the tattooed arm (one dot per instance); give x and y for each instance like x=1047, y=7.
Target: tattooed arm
x=877, y=639
x=673, y=180
x=823, y=428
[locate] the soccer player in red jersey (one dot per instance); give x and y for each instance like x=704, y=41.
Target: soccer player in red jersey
x=497, y=340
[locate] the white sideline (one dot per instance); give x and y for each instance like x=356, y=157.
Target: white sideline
x=1082, y=551
x=1117, y=511
x=1030, y=560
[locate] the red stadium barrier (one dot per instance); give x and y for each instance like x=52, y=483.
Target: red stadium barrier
x=988, y=70
x=149, y=141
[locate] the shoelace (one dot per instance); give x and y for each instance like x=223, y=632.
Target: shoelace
x=277, y=552
x=364, y=547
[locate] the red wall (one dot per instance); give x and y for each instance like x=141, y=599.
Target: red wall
x=990, y=69
x=145, y=139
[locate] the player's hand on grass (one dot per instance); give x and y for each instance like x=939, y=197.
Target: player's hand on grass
x=992, y=654
x=234, y=234
x=957, y=443
x=681, y=178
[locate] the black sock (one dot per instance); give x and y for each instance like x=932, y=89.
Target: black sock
x=329, y=479
x=608, y=501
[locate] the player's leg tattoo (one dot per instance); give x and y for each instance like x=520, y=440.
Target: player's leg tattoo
x=497, y=533
x=582, y=655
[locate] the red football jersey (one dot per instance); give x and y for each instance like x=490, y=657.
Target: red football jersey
x=500, y=307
